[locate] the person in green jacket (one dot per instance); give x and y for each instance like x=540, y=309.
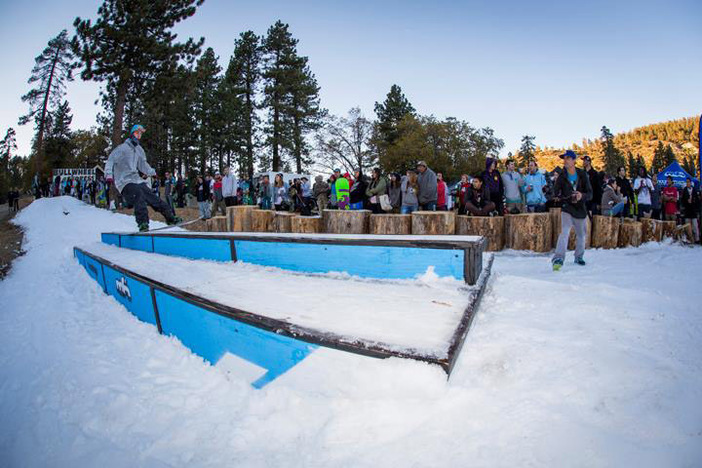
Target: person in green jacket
x=376, y=188
x=342, y=192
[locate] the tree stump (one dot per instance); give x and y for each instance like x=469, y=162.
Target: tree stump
x=529, y=231
x=198, y=226
x=588, y=236
x=684, y=233
x=555, y=214
x=262, y=220
x=281, y=221
x=217, y=224
x=630, y=234
x=651, y=230
x=306, y=224
x=433, y=223
x=605, y=232
x=239, y=218
x=493, y=228
x=391, y=224
x=346, y=221
x=669, y=229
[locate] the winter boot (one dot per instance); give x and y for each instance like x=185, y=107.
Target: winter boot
x=143, y=227
x=580, y=261
x=557, y=264
x=174, y=220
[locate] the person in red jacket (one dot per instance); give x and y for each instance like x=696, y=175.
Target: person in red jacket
x=463, y=189
x=441, y=191
x=669, y=196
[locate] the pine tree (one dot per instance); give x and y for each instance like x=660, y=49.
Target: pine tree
x=390, y=113
x=279, y=59
x=526, y=151
x=59, y=147
x=689, y=165
x=640, y=163
x=612, y=156
x=669, y=155
x=303, y=110
x=631, y=164
x=207, y=109
x=7, y=146
x=658, y=163
x=131, y=39
x=53, y=68
x=239, y=88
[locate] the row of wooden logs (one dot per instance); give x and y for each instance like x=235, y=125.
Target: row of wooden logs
x=537, y=232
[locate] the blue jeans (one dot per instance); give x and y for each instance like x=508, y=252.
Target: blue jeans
x=616, y=210
x=408, y=209
x=431, y=206
x=204, y=209
x=536, y=208
x=266, y=203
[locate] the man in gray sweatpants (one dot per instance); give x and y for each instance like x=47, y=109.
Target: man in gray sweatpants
x=573, y=190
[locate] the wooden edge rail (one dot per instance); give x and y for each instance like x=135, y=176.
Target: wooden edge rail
x=325, y=339
x=377, y=241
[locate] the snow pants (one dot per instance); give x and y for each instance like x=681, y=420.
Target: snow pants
x=139, y=196
x=567, y=222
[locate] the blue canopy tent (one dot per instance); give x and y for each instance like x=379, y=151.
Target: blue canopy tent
x=678, y=174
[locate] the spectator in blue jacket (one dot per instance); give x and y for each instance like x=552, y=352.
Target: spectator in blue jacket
x=533, y=187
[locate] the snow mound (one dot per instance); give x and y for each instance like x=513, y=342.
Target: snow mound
x=594, y=366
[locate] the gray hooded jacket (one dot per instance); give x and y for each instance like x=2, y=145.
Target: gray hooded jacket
x=125, y=162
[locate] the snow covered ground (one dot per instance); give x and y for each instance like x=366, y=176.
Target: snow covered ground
x=594, y=366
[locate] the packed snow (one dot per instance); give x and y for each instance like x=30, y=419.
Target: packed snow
x=421, y=315
x=592, y=366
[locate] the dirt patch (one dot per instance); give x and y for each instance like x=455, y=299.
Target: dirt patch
x=11, y=238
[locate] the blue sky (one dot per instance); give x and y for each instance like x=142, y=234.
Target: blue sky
x=556, y=70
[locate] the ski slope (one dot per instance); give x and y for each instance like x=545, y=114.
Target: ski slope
x=594, y=366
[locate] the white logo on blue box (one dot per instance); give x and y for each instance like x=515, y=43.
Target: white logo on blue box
x=123, y=288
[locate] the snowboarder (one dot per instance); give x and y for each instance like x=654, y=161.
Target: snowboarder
x=574, y=190
x=123, y=167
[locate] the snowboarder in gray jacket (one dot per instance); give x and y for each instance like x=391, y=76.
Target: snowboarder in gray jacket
x=124, y=167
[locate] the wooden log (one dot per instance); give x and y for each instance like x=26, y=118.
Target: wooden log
x=651, y=230
x=668, y=229
x=198, y=226
x=605, y=232
x=630, y=234
x=433, y=223
x=684, y=233
x=239, y=218
x=555, y=224
x=493, y=228
x=588, y=236
x=346, y=221
x=306, y=224
x=529, y=231
x=390, y=224
x=217, y=224
x=281, y=221
x=262, y=220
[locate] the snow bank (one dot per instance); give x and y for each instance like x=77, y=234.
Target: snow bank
x=595, y=366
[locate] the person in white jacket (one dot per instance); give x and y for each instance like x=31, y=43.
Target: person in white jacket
x=229, y=186
x=643, y=188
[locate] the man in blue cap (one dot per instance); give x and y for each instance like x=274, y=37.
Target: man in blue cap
x=573, y=189
x=124, y=167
